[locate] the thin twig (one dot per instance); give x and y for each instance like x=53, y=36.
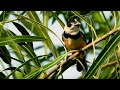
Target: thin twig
x=84, y=48
x=109, y=64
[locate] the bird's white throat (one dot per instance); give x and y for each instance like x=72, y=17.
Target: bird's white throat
x=71, y=30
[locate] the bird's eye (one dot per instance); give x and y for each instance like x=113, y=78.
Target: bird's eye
x=73, y=20
x=69, y=24
x=78, y=20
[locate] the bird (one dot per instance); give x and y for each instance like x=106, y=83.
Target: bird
x=74, y=39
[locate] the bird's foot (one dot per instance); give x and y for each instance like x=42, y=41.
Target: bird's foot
x=80, y=50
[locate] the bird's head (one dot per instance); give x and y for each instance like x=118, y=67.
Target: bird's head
x=73, y=25
x=73, y=22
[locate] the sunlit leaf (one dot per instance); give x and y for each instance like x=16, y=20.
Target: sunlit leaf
x=36, y=73
x=23, y=31
x=103, y=55
x=19, y=39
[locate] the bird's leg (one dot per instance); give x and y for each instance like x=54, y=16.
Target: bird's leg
x=80, y=50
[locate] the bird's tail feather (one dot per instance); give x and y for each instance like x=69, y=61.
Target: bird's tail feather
x=79, y=66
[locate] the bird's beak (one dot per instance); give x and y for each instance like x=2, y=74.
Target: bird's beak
x=77, y=24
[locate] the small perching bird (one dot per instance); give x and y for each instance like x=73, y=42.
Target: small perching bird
x=74, y=39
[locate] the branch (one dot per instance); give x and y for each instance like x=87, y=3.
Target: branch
x=83, y=49
x=109, y=64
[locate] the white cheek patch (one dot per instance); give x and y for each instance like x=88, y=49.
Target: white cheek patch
x=71, y=30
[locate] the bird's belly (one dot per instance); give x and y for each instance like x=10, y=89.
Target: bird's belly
x=74, y=44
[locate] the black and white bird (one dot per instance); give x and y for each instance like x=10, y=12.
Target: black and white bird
x=74, y=39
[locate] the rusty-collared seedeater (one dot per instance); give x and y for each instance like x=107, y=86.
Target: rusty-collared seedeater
x=74, y=39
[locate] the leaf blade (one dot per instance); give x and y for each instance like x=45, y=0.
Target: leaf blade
x=19, y=39
x=103, y=55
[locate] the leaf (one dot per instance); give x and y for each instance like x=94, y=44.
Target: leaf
x=13, y=68
x=35, y=74
x=58, y=19
x=55, y=61
x=43, y=31
x=82, y=18
x=19, y=39
x=31, y=53
x=6, y=59
x=23, y=65
x=105, y=73
x=2, y=76
x=21, y=28
x=14, y=46
x=103, y=55
x=4, y=15
x=23, y=31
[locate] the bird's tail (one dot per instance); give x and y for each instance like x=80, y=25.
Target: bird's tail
x=79, y=66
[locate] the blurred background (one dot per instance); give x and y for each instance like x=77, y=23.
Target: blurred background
x=50, y=24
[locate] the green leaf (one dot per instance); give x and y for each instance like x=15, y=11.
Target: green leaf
x=14, y=46
x=23, y=31
x=31, y=53
x=103, y=55
x=33, y=15
x=19, y=39
x=58, y=19
x=82, y=18
x=25, y=63
x=44, y=32
x=2, y=76
x=4, y=15
x=36, y=73
x=105, y=73
x=13, y=68
x=6, y=59
x=41, y=30
x=54, y=62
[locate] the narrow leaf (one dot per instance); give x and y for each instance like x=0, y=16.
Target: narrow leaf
x=58, y=19
x=6, y=59
x=31, y=53
x=2, y=76
x=35, y=74
x=22, y=65
x=19, y=39
x=103, y=55
x=23, y=31
x=12, y=68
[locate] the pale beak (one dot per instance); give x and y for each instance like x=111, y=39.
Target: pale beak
x=77, y=24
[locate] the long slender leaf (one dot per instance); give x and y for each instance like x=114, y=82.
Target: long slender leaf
x=80, y=16
x=4, y=15
x=44, y=33
x=2, y=75
x=103, y=55
x=14, y=46
x=23, y=31
x=30, y=52
x=19, y=39
x=23, y=65
x=12, y=68
x=6, y=59
x=58, y=19
x=36, y=73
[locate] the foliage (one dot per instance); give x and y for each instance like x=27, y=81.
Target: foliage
x=19, y=53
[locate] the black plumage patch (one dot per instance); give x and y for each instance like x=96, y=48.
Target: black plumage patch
x=66, y=35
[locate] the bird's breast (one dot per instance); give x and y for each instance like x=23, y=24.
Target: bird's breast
x=74, y=44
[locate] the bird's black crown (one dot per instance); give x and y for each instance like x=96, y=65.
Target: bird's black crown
x=72, y=19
